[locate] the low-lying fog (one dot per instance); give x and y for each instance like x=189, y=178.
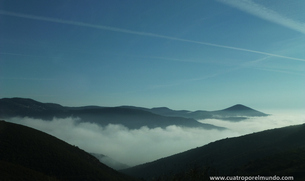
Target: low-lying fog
x=136, y=146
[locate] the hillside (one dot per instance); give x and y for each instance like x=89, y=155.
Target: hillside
x=277, y=151
x=129, y=117
x=110, y=162
x=29, y=154
x=237, y=112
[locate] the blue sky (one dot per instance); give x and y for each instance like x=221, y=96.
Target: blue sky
x=195, y=55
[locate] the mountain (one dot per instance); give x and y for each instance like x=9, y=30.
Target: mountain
x=29, y=154
x=127, y=116
x=12, y=107
x=134, y=118
x=278, y=151
x=237, y=112
x=110, y=162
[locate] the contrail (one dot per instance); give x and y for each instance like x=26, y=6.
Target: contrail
x=24, y=78
x=280, y=71
x=266, y=13
x=108, y=28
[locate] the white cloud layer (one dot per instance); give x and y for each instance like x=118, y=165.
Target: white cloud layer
x=136, y=146
x=257, y=124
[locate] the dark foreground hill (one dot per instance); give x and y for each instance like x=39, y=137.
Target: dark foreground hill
x=110, y=162
x=29, y=154
x=272, y=152
x=129, y=117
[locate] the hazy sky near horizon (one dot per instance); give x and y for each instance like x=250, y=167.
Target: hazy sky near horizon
x=192, y=55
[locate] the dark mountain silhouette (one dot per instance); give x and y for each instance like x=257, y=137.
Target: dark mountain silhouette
x=10, y=107
x=29, y=154
x=127, y=116
x=110, y=162
x=239, y=110
x=235, y=113
x=164, y=111
x=134, y=118
x=278, y=151
x=169, y=112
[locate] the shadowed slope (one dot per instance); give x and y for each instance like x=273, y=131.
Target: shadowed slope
x=38, y=155
x=243, y=155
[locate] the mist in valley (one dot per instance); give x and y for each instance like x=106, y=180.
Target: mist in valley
x=137, y=146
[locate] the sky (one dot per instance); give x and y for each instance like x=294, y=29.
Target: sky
x=193, y=55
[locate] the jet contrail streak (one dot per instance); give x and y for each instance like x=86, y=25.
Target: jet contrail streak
x=138, y=33
x=266, y=13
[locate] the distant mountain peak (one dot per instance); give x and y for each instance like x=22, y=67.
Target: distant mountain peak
x=239, y=110
x=161, y=108
x=238, y=107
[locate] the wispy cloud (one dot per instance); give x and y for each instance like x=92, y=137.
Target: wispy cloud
x=120, y=30
x=280, y=71
x=209, y=76
x=24, y=55
x=266, y=13
x=27, y=78
x=250, y=64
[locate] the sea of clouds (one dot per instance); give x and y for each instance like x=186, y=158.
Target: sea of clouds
x=136, y=146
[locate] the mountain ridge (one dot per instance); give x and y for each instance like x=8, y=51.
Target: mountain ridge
x=237, y=112
x=132, y=118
